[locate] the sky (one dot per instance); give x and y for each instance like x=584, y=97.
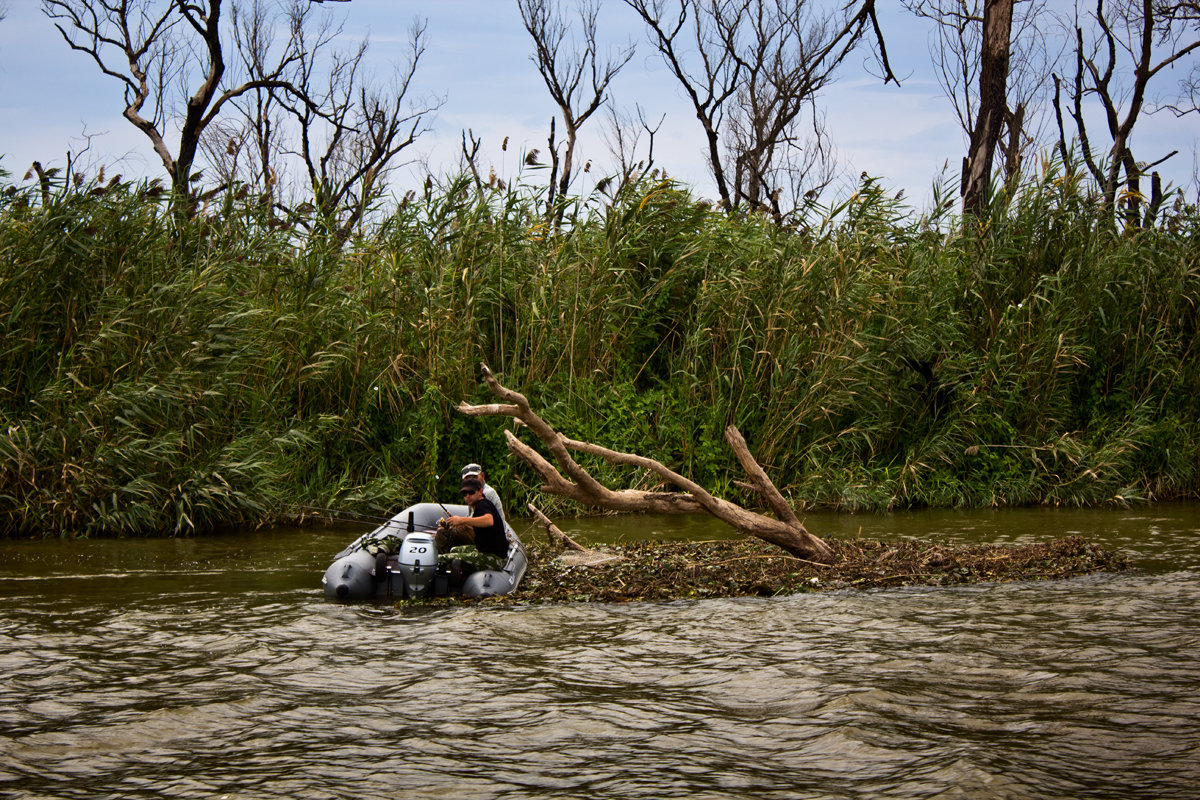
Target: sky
x=477, y=60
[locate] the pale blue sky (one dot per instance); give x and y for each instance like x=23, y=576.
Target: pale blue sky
x=478, y=59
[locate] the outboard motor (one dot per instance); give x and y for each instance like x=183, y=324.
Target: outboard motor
x=417, y=562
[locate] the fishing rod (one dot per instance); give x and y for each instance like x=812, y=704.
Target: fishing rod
x=436, y=480
x=357, y=516
x=342, y=513
x=350, y=516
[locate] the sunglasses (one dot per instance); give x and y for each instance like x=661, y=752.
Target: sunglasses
x=468, y=492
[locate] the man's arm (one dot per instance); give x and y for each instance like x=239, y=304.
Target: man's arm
x=482, y=521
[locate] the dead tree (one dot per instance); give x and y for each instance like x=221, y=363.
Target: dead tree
x=993, y=102
x=152, y=49
x=563, y=68
x=576, y=483
x=347, y=130
x=180, y=73
x=1138, y=38
x=750, y=69
x=247, y=149
x=966, y=32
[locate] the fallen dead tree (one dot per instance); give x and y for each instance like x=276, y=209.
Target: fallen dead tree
x=569, y=479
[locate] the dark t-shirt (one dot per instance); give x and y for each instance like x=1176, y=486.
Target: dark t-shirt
x=490, y=539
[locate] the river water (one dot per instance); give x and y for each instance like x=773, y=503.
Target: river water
x=214, y=668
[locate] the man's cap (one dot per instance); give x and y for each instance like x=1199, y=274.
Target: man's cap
x=471, y=485
x=471, y=469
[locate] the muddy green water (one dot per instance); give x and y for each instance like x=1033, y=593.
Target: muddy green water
x=210, y=668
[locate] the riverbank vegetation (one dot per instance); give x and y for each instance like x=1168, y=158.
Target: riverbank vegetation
x=162, y=375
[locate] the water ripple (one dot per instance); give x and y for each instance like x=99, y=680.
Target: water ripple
x=1082, y=688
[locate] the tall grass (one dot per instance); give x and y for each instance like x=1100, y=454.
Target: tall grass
x=168, y=377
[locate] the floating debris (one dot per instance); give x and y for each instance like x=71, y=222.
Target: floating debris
x=750, y=567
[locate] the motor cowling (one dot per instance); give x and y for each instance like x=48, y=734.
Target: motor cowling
x=417, y=562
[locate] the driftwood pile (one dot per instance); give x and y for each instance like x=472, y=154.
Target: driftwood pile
x=748, y=567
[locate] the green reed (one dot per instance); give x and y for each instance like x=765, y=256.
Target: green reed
x=168, y=376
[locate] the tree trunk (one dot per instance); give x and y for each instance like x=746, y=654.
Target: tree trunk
x=993, y=102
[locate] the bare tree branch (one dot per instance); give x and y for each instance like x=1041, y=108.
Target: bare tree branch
x=172, y=62
x=564, y=65
x=750, y=67
x=556, y=534
x=569, y=479
x=1138, y=38
x=623, y=137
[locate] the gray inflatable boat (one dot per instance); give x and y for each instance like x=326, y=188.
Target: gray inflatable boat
x=399, y=559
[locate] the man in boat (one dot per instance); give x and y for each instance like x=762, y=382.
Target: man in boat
x=478, y=542
x=476, y=471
